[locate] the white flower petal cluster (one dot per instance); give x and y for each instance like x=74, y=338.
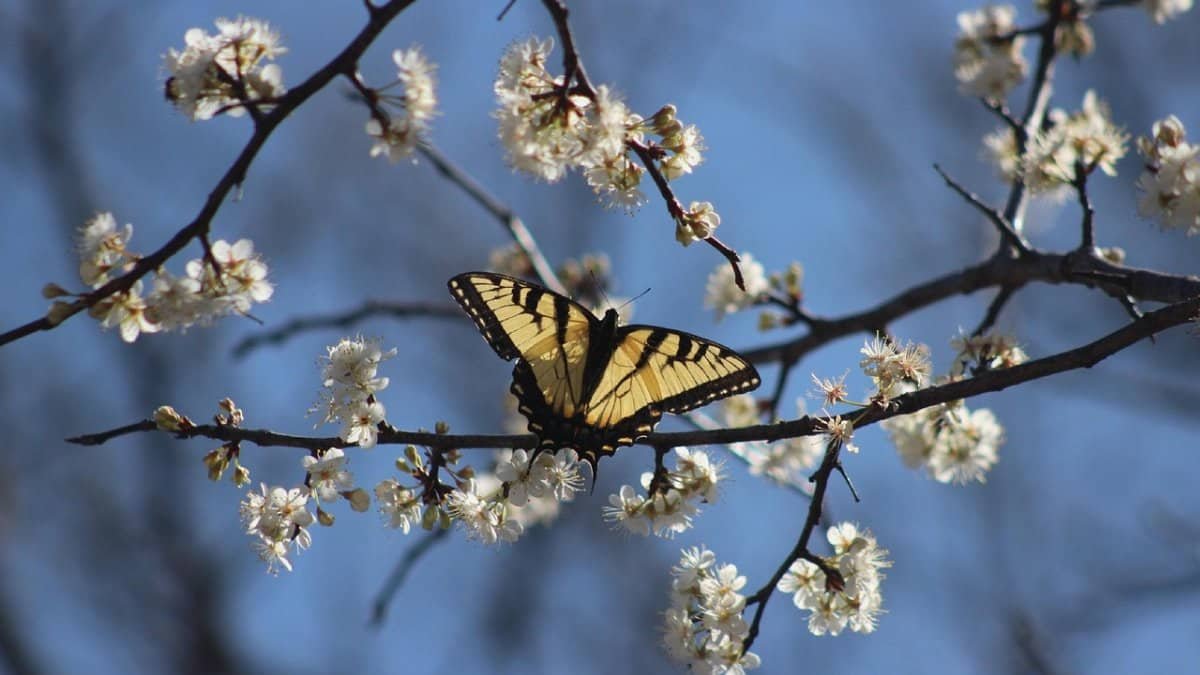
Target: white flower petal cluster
x=669, y=510
x=174, y=303
x=101, y=247
x=1170, y=184
x=278, y=519
x=722, y=294
x=222, y=73
x=401, y=506
x=1087, y=137
x=485, y=518
x=894, y=369
x=548, y=130
x=978, y=353
x=398, y=136
x=705, y=627
x=510, y=260
x=1000, y=149
x=1165, y=10
x=860, y=561
x=952, y=443
x=350, y=377
x=328, y=476
x=784, y=461
x=984, y=65
x=698, y=222
x=548, y=476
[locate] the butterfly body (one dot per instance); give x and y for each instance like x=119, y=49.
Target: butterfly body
x=588, y=383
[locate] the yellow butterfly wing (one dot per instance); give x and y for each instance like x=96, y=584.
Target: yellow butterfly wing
x=546, y=331
x=664, y=370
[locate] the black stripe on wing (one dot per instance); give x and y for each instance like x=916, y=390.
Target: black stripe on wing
x=464, y=289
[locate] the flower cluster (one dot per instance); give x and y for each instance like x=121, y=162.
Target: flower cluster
x=854, y=600
x=427, y=501
x=350, y=377
x=396, y=135
x=722, y=294
x=952, y=443
x=1087, y=138
x=554, y=477
x=549, y=127
x=225, y=72
x=988, y=59
x=704, y=627
x=278, y=519
x=485, y=517
x=228, y=282
x=893, y=368
x=1170, y=185
x=668, y=505
x=981, y=353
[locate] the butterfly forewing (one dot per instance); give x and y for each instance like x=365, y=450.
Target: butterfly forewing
x=546, y=330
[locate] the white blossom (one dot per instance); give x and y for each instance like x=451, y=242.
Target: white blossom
x=984, y=65
x=672, y=506
x=722, y=293
x=351, y=381
x=278, y=519
x=485, y=519
x=212, y=72
x=860, y=561
x=401, y=506
x=1170, y=184
x=954, y=444
x=1087, y=137
x=397, y=135
x=705, y=627
x=328, y=476
x=101, y=248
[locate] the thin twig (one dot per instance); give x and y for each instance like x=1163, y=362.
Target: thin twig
x=369, y=309
x=1088, y=238
x=763, y=594
x=511, y=221
x=1085, y=356
x=400, y=572
x=1007, y=233
x=994, y=308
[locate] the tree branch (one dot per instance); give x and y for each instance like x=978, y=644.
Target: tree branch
x=369, y=309
x=234, y=176
x=1007, y=233
x=511, y=221
x=993, y=380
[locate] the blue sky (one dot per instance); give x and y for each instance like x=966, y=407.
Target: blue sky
x=823, y=122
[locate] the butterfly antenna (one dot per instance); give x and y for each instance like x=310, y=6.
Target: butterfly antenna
x=635, y=298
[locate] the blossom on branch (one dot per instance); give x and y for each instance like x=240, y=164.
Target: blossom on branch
x=859, y=560
x=667, y=507
x=1170, y=184
x=398, y=135
x=705, y=627
x=988, y=59
x=225, y=72
x=350, y=378
x=1086, y=138
x=721, y=292
x=278, y=518
x=953, y=443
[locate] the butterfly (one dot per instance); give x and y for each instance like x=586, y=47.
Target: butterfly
x=587, y=383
